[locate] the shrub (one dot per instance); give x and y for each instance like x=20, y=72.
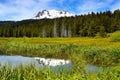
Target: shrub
x=115, y=36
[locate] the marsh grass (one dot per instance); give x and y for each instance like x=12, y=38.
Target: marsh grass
x=81, y=51
x=89, y=50
x=31, y=72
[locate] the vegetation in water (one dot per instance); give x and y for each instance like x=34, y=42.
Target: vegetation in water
x=31, y=72
x=90, y=50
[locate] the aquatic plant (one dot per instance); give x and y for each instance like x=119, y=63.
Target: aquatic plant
x=31, y=72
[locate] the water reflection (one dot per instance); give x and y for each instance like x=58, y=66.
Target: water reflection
x=15, y=61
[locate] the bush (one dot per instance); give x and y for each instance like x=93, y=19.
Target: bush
x=115, y=36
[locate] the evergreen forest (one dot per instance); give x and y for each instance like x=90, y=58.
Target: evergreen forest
x=87, y=25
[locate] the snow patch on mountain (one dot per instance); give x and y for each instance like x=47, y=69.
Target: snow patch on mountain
x=52, y=14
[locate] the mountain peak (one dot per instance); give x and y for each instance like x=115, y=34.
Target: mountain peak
x=52, y=14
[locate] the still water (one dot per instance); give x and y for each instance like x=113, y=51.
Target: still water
x=15, y=61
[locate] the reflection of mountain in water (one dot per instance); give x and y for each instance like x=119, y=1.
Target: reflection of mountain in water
x=55, y=64
x=15, y=61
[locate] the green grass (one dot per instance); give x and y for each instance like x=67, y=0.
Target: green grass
x=115, y=36
x=94, y=51
x=81, y=51
x=32, y=72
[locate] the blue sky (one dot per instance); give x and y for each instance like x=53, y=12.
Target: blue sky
x=25, y=9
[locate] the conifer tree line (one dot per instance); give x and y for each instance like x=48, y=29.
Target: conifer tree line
x=89, y=25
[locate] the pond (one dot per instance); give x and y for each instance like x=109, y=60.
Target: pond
x=15, y=61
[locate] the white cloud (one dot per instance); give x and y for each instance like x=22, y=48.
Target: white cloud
x=94, y=6
x=89, y=6
x=115, y=6
x=22, y=8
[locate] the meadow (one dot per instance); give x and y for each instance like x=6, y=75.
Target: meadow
x=81, y=51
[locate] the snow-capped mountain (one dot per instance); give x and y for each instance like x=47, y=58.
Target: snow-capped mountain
x=52, y=14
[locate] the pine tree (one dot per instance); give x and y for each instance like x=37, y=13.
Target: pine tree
x=102, y=31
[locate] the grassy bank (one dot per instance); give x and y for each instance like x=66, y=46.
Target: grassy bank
x=99, y=51
x=33, y=73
